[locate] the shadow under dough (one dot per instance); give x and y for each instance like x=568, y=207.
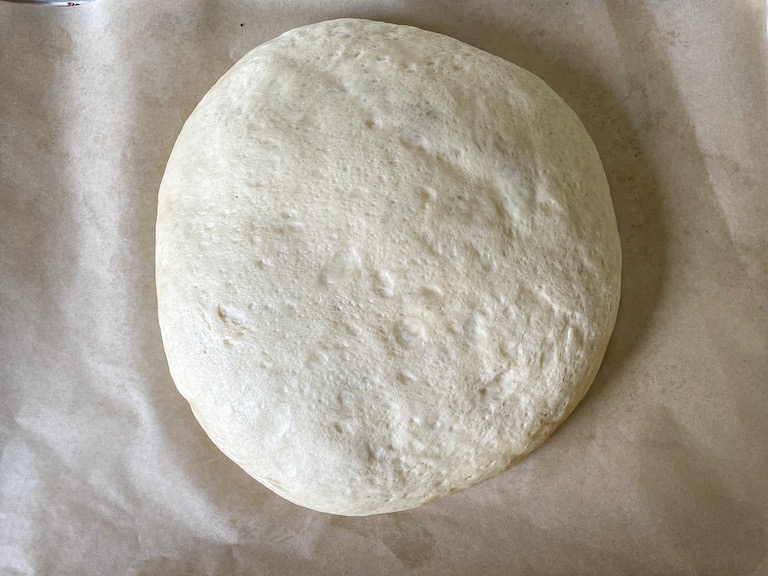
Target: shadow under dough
x=627, y=133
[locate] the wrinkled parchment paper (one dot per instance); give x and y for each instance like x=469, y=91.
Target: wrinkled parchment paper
x=663, y=469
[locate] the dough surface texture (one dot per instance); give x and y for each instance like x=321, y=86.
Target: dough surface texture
x=387, y=265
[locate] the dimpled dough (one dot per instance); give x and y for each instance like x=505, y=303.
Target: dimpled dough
x=387, y=265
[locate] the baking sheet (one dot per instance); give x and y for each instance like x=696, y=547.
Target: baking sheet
x=663, y=469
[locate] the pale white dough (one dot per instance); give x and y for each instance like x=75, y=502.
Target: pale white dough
x=387, y=265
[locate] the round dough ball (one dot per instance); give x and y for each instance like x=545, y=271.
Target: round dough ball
x=387, y=265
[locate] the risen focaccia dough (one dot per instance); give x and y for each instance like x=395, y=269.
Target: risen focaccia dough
x=387, y=265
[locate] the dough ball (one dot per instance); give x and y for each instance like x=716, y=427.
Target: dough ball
x=387, y=265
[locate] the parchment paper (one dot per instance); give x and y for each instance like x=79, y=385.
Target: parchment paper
x=663, y=469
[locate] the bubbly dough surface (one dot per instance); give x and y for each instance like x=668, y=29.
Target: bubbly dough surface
x=387, y=265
